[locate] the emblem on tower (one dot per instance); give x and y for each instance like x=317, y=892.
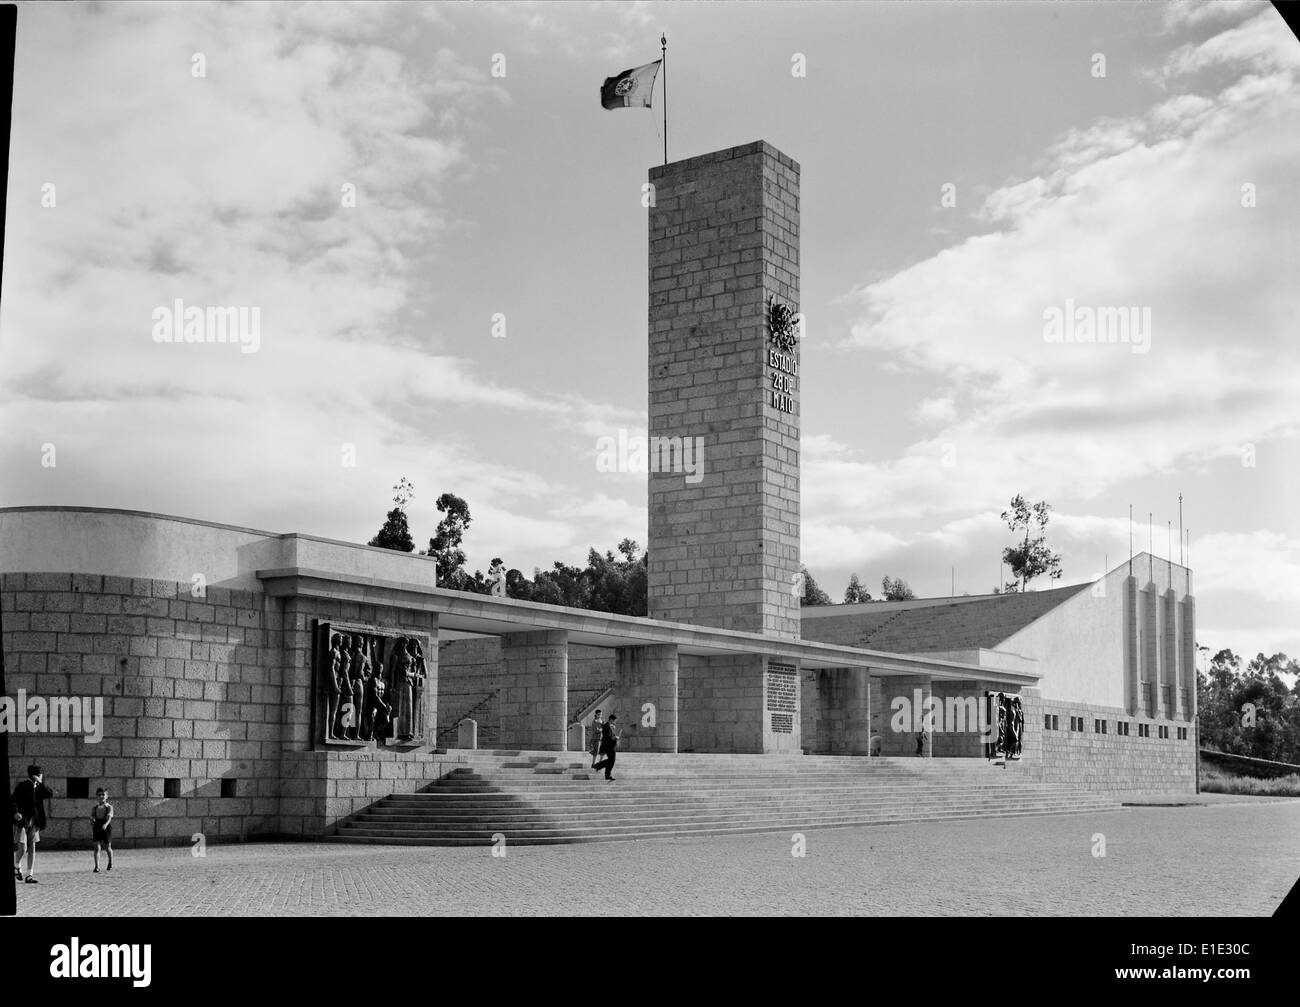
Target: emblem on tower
x=782, y=325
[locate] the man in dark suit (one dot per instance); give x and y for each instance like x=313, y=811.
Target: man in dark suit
x=608, y=746
x=30, y=801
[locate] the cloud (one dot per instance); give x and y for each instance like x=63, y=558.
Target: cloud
x=1154, y=207
x=231, y=189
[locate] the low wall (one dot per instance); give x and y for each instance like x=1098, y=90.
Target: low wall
x=1110, y=762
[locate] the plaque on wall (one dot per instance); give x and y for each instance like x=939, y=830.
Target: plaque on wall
x=782, y=688
x=370, y=686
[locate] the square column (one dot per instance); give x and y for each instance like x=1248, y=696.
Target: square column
x=746, y=704
x=906, y=700
x=840, y=714
x=1132, y=662
x=724, y=391
x=645, y=697
x=535, y=691
x=1171, y=698
x=1151, y=650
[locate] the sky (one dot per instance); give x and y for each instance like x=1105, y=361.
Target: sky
x=443, y=234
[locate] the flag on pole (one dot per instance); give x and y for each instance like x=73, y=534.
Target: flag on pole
x=631, y=88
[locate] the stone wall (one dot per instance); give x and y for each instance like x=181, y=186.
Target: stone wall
x=720, y=704
x=207, y=722
x=1109, y=762
x=191, y=691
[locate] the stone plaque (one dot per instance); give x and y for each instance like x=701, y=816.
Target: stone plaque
x=782, y=689
x=370, y=686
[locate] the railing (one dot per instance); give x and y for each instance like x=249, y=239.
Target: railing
x=455, y=724
x=601, y=697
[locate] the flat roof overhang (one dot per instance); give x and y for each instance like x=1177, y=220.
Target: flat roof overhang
x=462, y=614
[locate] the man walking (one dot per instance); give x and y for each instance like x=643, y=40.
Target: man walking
x=608, y=746
x=29, y=804
x=597, y=736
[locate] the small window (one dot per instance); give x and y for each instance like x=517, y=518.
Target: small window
x=78, y=787
x=171, y=788
x=1056, y=722
x=1047, y=721
x=1103, y=727
x=228, y=787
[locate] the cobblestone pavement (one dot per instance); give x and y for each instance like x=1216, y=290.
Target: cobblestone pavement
x=1223, y=859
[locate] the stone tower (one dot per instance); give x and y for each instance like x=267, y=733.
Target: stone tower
x=724, y=381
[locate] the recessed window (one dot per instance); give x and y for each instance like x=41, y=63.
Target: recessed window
x=1103, y=727
x=171, y=788
x=1047, y=721
x=1056, y=722
x=78, y=787
x=228, y=787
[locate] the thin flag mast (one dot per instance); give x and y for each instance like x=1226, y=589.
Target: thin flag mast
x=663, y=49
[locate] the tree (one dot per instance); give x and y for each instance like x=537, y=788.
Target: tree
x=855, y=592
x=812, y=594
x=445, y=544
x=1250, y=712
x=1032, y=557
x=896, y=589
x=395, y=533
x=618, y=584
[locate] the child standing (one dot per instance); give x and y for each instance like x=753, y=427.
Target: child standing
x=101, y=827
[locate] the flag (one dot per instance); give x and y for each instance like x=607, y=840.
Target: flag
x=631, y=88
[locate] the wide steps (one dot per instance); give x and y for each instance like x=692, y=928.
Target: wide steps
x=539, y=798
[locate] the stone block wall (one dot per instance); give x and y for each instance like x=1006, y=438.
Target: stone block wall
x=191, y=691
x=207, y=708
x=720, y=704
x=1109, y=762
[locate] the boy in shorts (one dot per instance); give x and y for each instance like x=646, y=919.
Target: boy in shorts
x=101, y=827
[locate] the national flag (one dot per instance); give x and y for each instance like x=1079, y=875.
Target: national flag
x=631, y=88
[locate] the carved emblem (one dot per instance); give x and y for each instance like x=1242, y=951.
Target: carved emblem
x=782, y=325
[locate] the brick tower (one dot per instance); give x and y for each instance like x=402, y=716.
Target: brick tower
x=724, y=255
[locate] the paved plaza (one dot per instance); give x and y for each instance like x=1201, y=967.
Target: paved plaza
x=1225, y=858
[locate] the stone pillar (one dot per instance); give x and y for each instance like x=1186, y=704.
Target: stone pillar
x=1169, y=653
x=1132, y=674
x=577, y=738
x=901, y=721
x=1151, y=650
x=535, y=691
x=1188, y=679
x=724, y=393
x=958, y=711
x=645, y=697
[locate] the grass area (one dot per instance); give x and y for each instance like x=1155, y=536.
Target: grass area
x=1217, y=781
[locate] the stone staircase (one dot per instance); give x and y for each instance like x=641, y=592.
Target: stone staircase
x=546, y=797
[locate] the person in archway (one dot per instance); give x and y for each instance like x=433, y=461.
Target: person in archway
x=608, y=746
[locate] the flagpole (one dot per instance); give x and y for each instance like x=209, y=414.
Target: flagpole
x=663, y=48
